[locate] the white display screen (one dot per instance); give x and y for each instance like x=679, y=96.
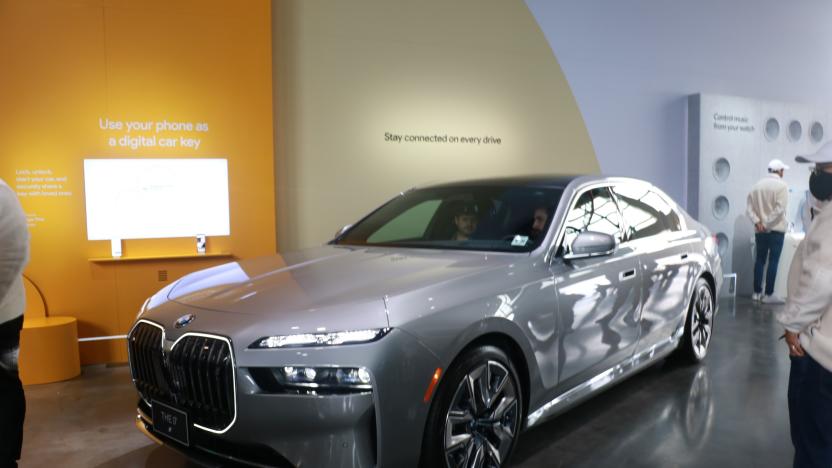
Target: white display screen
x=156, y=198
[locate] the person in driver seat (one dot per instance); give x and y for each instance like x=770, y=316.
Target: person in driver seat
x=466, y=217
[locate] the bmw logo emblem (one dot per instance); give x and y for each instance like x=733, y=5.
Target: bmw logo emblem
x=184, y=320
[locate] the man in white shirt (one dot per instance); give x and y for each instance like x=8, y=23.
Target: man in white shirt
x=807, y=318
x=766, y=207
x=14, y=252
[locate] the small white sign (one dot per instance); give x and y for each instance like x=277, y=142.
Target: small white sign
x=519, y=241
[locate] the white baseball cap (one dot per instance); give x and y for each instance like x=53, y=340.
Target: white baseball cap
x=776, y=165
x=822, y=156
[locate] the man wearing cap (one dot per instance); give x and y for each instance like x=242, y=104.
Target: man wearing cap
x=766, y=207
x=807, y=318
x=465, y=221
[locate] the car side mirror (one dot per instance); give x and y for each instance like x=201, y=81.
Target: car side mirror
x=591, y=244
x=341, y=231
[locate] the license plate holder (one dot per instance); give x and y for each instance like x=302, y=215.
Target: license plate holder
x=171, y=423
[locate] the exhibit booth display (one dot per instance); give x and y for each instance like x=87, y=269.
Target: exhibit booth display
x=129, y=131
x=730, y=143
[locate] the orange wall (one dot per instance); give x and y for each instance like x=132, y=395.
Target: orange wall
x=65, y=65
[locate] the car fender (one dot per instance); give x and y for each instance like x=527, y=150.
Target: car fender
x=492, y=330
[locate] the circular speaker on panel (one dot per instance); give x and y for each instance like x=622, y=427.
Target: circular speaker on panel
x=722, y=244
x=721, y=207
x=722, y=169
x=816, y=132
x=772, y=129
x=795, y=130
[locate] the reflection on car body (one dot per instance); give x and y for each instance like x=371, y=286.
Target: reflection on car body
x=400, y=343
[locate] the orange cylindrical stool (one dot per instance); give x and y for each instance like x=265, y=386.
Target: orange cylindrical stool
x=49, y=350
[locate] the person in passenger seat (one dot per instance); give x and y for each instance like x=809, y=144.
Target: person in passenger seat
x=541, y=215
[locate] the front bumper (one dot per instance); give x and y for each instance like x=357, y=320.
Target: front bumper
x=344, y=440
x=381, y=427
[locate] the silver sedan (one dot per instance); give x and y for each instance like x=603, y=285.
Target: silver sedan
x=431, y=332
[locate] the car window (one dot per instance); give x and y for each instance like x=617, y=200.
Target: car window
x=411, y=224
x=672, y=220
x=646, y=213
x=502, y=218
x=595, y=211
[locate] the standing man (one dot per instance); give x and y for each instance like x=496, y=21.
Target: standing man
x=807, y=318
x=766, y=207
x=14, y=253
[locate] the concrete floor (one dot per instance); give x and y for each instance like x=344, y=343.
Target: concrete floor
x=729, y=411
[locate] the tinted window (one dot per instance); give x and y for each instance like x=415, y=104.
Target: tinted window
x=596, y=211
x=645, y=211
x=411, y=224
x=502, y=218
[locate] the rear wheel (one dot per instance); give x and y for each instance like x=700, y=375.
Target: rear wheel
x=699, y=324
x=476, y=414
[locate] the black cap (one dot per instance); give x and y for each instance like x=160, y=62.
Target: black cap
x=466, y=208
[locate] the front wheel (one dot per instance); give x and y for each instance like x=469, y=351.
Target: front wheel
x=476, y=414
x=699, y=323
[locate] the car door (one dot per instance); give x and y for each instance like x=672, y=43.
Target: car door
x=654, y=233
x=598, y=298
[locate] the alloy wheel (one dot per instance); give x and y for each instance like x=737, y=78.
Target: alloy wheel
x=701, y=321
x=483, y=418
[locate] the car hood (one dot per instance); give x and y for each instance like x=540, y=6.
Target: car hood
x=336, y=278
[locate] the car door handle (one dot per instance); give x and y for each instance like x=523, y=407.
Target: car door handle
x=684, y=256
x=625, y=275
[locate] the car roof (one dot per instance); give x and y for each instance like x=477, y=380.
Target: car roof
x=541, y=181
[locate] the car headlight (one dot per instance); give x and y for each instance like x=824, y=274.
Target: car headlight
x=324, y=377
x=303, y=380
x=320, y=339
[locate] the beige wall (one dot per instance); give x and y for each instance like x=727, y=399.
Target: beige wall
x=347, y=72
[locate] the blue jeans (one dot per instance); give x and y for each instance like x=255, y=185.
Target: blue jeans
x=769, y=246
x=810, y=413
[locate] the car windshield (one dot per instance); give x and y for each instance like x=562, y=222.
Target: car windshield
x=492, y=218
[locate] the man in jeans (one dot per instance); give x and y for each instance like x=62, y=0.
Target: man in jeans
x=14, y=251
x=807, y=318
x=766, y=207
